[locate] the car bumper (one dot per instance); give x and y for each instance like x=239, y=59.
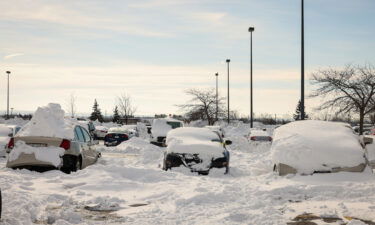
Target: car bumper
x=26, y=160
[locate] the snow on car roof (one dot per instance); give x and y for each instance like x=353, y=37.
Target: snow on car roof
x=194, y=140
x=258, y=133
x=118, y=130
x=311, y=145
x=49, y=121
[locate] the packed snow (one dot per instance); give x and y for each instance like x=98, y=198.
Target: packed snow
x=127, y=186
x=49, y=121
x=310, y=146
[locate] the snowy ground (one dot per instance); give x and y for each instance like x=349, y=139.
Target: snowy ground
x=127, y=186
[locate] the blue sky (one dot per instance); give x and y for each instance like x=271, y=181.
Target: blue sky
x=154, y=50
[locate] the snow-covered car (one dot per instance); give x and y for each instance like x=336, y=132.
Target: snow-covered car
x=198, y=149
x=6, y=132
x=217, y=129
x=116, y=135
x=100, y=132
x=160, y=128
x=50, y=140
x=309, y=146
x=259, y=135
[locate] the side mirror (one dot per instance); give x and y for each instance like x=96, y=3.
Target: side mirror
x=228, y=142
x=10, y=135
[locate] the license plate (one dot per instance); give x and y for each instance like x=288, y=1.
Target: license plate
x=116, y=136
x=37, y=145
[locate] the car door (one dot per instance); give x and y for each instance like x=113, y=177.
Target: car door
x=85, y=149
x=91, y=152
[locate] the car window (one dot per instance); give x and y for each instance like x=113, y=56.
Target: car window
x=219, y=139
x=17, y=129
x=78, y=134
x=174, y=125
x=86, y=135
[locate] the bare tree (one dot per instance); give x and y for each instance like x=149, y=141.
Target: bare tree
x=126, y=107
x=72, y=105
x=202, y=105
x=349, y=90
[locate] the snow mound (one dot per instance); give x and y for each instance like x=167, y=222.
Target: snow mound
x=310, y=146
x=46, y=154
x=49, y=121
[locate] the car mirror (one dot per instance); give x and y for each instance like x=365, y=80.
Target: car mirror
x=228, y=142
x=10, y=135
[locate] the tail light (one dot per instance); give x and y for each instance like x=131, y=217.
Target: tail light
x=253, y=138
x=11, y=143
x=108, y=136
x=125, y=136
x=65, y=144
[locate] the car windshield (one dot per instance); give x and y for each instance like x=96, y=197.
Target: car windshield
x=174, y=125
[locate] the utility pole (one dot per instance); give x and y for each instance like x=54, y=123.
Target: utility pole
x=228, y=61
x=8, y=72
x=217, y=95
x=302, y=62
x=251, y=29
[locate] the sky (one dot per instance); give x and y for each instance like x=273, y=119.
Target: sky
x=155, y=50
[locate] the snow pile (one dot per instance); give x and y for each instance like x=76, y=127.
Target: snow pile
x=147, y=153
x=46, y=154
x=193, y=140
x=49, y=121
x=160, y=128
x=142, y=131
x=258, y=133
x=310, y=146
x=370, y=151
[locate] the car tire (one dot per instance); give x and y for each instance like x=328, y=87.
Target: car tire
x=77, y=164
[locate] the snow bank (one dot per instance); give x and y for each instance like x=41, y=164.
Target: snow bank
x=310, y=146
x=45, y=154
x=259, y=133
x=49, y=121
x=193, y=140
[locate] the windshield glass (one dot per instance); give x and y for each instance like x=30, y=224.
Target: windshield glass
x=174, y=125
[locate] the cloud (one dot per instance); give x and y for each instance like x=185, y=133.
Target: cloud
x=13, y=55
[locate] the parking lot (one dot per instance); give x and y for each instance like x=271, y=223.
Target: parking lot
x=128, y=186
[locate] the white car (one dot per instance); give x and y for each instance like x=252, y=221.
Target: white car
x=100, y=132
x=310, y=146
x=6, y=132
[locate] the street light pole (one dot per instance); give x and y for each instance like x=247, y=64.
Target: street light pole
x=8, y=72
x=302, y=62
x=228, y=61
x=217, y=95
x=251, y=29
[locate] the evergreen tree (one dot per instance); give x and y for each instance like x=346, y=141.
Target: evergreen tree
x=297, y=114
x=116, y=115
x=96, y=113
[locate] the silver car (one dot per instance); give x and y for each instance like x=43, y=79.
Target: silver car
x=79, y=152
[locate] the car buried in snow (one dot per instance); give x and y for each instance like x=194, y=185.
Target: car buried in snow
x=309, y=146
x=198, y=149
x=6, y=132
x=259, y=136
x=160, y=128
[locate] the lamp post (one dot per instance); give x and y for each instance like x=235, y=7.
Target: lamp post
x=228, y=61
x=251, y=29
x=302, y=62
x=8, y=73
x=217, y=95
